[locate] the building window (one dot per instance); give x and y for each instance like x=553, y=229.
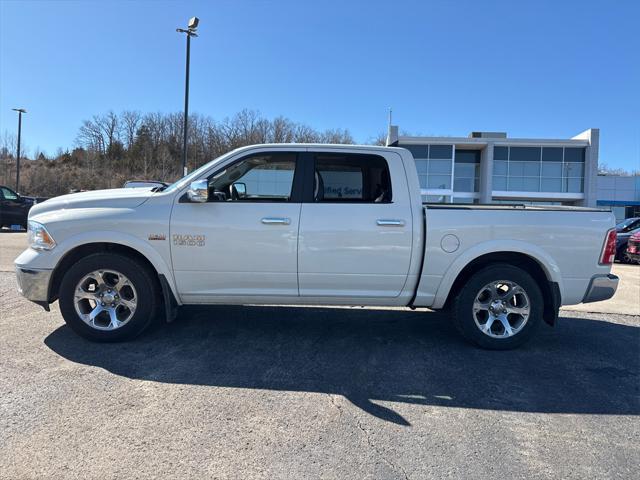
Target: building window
x=500, y=182
x=524, y=154
x=538, y=169
x=466, y=177
x=434, y=165
x=574, y=155
x=418, y=151
x=435, y=199
x=466, y=200
x=440, y=151
x=552, y=154
x=551, y=185
x=551, y=169
x=501, y=153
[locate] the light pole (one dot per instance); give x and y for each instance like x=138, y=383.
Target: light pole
x=20, y=112
x=191, y=32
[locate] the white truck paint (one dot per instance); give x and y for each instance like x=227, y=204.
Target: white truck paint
x=310, y=252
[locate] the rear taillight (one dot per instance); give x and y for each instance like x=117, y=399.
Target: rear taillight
x=608, y=254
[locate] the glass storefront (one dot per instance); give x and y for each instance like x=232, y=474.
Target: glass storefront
x=449, y=174
x=538, y=169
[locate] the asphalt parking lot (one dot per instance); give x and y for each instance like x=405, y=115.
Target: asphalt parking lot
x=266, y=392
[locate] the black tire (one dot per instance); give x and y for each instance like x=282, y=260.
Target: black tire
x=463, y=315
x=621, y=255
x=145, y=284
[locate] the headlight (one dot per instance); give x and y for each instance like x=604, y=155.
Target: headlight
x=38, y=237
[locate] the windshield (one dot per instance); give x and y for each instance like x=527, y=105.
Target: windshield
x=195, y=174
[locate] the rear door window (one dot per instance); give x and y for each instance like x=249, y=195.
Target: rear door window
x=351, y=178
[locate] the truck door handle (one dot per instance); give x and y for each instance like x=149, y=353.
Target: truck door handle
x=384, y=222
x=276, y=221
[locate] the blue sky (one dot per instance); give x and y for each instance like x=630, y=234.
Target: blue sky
x=532, y=69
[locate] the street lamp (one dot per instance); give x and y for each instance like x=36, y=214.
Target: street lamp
x=191, y=32
x=20, y=112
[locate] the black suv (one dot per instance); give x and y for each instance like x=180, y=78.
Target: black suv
x=14, y=208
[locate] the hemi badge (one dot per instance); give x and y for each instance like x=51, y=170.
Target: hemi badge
x=157, y=236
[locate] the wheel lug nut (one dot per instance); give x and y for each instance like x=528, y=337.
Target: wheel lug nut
x=113, y=305
x=103, y=304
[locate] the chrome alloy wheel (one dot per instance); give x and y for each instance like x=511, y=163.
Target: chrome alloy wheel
x=105, y=299
x=501, y=309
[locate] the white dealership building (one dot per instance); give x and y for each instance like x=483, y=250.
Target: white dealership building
x=490, y=167
x=621, y=194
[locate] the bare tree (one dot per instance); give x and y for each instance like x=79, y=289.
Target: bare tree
x=8, y=145
x=149, y=146
x=379, y=139
x=604, y=169
x=129, y=125
x=336, y=136
x=305, y=134
x=90, y=136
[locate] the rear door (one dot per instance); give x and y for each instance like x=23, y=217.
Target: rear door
x=355, y=234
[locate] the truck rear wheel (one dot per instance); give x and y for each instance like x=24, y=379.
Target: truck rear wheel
x=108, y=297
x=499, y=308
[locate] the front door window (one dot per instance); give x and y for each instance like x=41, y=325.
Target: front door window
x=259, y=178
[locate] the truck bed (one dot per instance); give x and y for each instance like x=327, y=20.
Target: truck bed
x=567, y=247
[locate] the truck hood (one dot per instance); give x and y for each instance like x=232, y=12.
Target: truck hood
x=114, y=198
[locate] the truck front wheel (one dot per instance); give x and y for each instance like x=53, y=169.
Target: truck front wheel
x=499, y=307
x=108, y=297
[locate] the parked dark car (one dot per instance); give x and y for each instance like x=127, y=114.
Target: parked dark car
x=624, y=230
x=621, y=244
x=628, y=224
x=633, y=247
x=14, y=207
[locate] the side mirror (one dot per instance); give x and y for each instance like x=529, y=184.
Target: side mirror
x=241, y=189
x=198, y=191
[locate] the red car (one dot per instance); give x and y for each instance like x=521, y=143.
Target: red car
x=633, y=248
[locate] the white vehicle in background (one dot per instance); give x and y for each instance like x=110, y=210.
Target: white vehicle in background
x=311, y=224
x=144, y=184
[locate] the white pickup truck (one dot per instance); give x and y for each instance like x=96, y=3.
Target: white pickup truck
x=311, y=224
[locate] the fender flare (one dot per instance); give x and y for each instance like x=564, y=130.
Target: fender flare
x=546, y=262
x=126, y=240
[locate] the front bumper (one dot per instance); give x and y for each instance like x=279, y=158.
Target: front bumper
x=33, y=284
x=601, y=287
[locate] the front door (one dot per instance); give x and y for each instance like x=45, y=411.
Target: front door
x=244, y=241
